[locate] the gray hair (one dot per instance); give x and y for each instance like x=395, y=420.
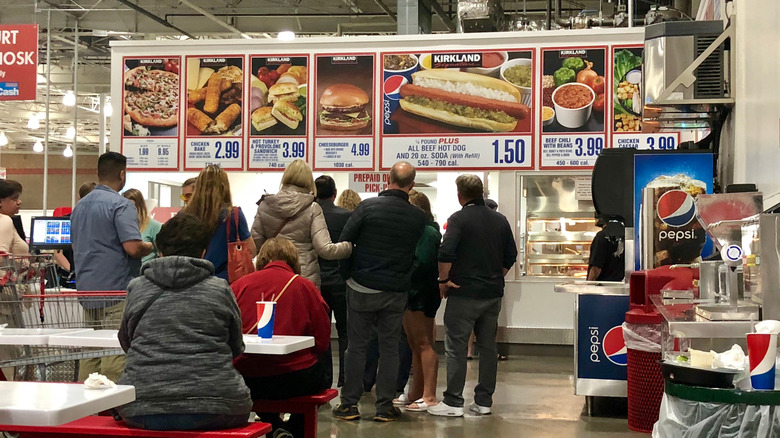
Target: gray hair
x=469, y=186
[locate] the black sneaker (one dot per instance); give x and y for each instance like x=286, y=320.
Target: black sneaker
x=346, y=412
x=389, y=415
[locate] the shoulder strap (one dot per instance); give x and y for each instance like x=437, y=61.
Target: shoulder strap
x=148, y=305
x=285, y=288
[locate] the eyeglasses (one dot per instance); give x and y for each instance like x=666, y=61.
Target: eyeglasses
x=185, y=197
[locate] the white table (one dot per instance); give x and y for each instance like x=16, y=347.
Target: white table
x=279, y=344
x=52, y=404
x=108, y=339
x=34, y=336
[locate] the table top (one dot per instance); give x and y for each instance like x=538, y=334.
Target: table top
x=51, y=404
x=34, y=336
x=279, y=344
x=108, y=339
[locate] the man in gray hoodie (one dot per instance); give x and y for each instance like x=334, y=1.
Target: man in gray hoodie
x=181, y=330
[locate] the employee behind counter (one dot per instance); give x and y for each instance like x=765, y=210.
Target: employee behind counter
x=607, y=257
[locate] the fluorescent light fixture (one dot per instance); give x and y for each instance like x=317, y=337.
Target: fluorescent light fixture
x=245, y=36
x=41, y=79
x=67, y=152
x=3, y=139
x=286, y=35
x=38, y=146
x=69, y=99
x=71, y=132
x=33, y=123
x=108, y=110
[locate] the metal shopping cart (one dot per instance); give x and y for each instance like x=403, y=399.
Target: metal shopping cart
x=26, y=303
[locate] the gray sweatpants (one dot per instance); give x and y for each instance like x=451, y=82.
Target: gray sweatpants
x=364, y=311
x=461, y=316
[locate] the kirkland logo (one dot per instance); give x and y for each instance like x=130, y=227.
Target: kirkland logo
x=9, y=88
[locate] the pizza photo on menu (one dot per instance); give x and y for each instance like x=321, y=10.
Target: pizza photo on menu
x=151, y=97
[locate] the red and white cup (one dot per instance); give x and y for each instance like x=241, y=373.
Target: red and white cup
x=265, y=319
x=762, y=350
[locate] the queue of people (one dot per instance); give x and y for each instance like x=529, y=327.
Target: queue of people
x=378, y=265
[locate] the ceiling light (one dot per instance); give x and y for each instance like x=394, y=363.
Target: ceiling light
x=41, y=79
x=67, y=152
x=108, y=110
x=3, y=139
x=38, y=146
x=69, y=99
x=286, y=35
x=70, y=133
x=33, y=123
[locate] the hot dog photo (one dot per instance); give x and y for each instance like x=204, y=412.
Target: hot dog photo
x=457, y=92
x=573, y=90
x=214, y=95
x=344, y=86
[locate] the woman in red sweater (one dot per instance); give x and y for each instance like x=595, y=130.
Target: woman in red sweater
x=300, y=311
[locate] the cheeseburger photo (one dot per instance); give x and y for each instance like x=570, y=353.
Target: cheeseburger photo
x=464, y=99
x=344, y=108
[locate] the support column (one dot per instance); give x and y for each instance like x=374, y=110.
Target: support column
x=413, y=17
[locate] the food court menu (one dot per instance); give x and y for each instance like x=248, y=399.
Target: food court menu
x=573, y=101
x=150, y=112
x=344, y=120
x=627, y=131
x=458, y=109
x=214, y=130
x=278, y=103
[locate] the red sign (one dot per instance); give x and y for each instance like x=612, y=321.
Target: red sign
x=162, y=214
x=18, y=61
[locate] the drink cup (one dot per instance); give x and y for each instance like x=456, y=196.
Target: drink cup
x=265, y=319
x=762, y=350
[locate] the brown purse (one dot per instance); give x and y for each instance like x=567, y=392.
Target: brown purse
x=239, y=256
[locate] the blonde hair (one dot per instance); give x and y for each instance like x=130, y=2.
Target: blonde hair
x=422, y=202
x=211, y=196
x=298, y=173
x=278, y=249
x=348, y=199
x=137, y=197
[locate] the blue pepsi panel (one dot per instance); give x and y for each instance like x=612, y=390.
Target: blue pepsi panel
x=676, y=208
x=601, y=351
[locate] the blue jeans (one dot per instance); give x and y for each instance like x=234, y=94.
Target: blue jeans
x=187, y=421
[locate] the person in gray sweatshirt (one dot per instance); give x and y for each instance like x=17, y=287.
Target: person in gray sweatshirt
x=181, y=330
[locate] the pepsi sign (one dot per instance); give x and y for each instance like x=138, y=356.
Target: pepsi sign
x=601, y=351
x=392, y=86
x=614, y=346
x=676, y=208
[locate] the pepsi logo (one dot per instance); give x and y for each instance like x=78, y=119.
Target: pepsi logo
x=614, y=346
x=676, y=208
x=392, y=86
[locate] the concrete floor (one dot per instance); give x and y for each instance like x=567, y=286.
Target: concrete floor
x=535, y=398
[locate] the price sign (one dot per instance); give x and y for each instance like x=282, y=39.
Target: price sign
x=275, y=153
x=464, y=152
x=571, y=150
x=652, y=142
x=200, y=152
x=344, y=153
x=151, y=153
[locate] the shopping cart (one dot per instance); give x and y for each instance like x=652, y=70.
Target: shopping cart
x=26, y=303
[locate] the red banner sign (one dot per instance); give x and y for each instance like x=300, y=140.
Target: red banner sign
x=18, y=61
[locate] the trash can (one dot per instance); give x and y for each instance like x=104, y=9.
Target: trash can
x=645, y=383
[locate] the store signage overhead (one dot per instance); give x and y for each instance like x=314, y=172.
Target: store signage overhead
x=458, y=110
x=150, y=112
x=18, y=61
x=368, y=182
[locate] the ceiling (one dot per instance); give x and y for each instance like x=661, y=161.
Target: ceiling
x=97, y=22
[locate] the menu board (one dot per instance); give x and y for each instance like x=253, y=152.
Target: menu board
x=458, y=109
x=278, y=104
x=215, y=95
x=150, y=112
x=344, y=125
x=573, y=101
x=627, y=106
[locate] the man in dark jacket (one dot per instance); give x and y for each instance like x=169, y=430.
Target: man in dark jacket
x=385, y=231
x=333, y=287
x=477, y=252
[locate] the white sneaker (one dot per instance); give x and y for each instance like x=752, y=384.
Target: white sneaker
x=444, y=410
x=480, y=410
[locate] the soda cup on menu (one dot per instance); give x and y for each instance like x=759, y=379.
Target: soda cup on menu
x=762, y=350
x=265, y=319
x=397, y=72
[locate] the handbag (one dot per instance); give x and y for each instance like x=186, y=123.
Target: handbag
x=275, y=300
x=239, y=256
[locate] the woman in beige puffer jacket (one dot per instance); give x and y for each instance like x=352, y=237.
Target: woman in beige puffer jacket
x=293, y=214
